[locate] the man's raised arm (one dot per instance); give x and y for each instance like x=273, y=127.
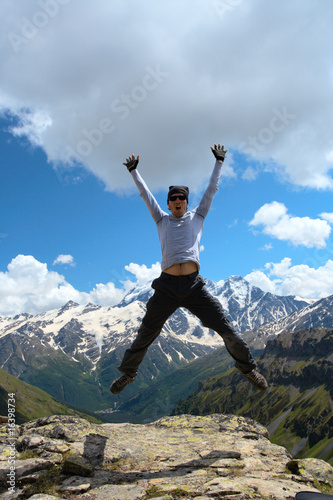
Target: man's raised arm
x=206, y=201
x=155, y=210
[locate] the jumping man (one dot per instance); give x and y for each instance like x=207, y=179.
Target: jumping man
x=180, y=284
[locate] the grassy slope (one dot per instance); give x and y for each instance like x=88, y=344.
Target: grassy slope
x=31, y=402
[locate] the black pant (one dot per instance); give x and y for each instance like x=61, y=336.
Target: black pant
x=190, y=292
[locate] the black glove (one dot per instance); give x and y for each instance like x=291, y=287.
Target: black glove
x=131, y=163
x=219, y=152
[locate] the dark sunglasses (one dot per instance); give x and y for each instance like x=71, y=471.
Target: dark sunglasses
x=180, y=197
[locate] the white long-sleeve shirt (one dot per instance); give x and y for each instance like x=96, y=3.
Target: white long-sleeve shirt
x=179, y=236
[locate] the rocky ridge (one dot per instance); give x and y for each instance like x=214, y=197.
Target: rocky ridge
x=188, y=457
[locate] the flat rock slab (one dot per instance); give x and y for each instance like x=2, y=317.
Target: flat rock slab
x=201, y=457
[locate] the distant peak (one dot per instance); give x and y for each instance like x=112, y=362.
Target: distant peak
x=235, y=277
x=22, y=315
x=69, y=305
x=90, y=307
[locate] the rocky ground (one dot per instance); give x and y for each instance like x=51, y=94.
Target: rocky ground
x=185, y=457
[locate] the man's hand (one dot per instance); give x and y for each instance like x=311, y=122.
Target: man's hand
x=219, y=152
x=131, y=163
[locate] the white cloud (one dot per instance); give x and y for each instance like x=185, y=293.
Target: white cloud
x=280, y=269
x=267, y=246
x=278, y=223
x=227, y=170
x=32, y=125
x=250, y=174
x=327, y=216
x=110, y=79
x=301, y=280
x=29, y=286
x=64, y=259
x=234, y=223
x=261, y=280
x=106, y=294
x=143, y=273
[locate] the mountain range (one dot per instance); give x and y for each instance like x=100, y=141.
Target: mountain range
x=317, y=314
x=73, y=352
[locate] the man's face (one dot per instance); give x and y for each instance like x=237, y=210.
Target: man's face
x=177, y=204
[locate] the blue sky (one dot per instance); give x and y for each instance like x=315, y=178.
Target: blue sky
x=83, y=87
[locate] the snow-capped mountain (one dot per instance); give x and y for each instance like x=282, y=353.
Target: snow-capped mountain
x=318, y=314
x=73, y=352
x=249, y=307
x=90, y=330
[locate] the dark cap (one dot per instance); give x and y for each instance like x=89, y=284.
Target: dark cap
x=178, y=189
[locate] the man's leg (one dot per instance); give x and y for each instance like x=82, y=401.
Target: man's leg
x=210, y=311
x=159, y=307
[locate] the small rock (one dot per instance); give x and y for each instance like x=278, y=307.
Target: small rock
x=44, y=497
x=24, y=467
x=312, y=469
x=31, y=478
x=9, y=495
x=56, y=458
x=166, y=497
x=223, y=472
x=29, y=442
x=75, y=484
x=228, y=464
x=40, y=443
x=77, y=466
x=94, y=448
x=75, y=489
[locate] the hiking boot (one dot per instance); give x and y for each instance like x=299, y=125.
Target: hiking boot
x=120, y=383
x=256, y=379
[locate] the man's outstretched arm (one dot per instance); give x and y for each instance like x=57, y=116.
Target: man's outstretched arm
x=155, y=210
x=206, y=201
